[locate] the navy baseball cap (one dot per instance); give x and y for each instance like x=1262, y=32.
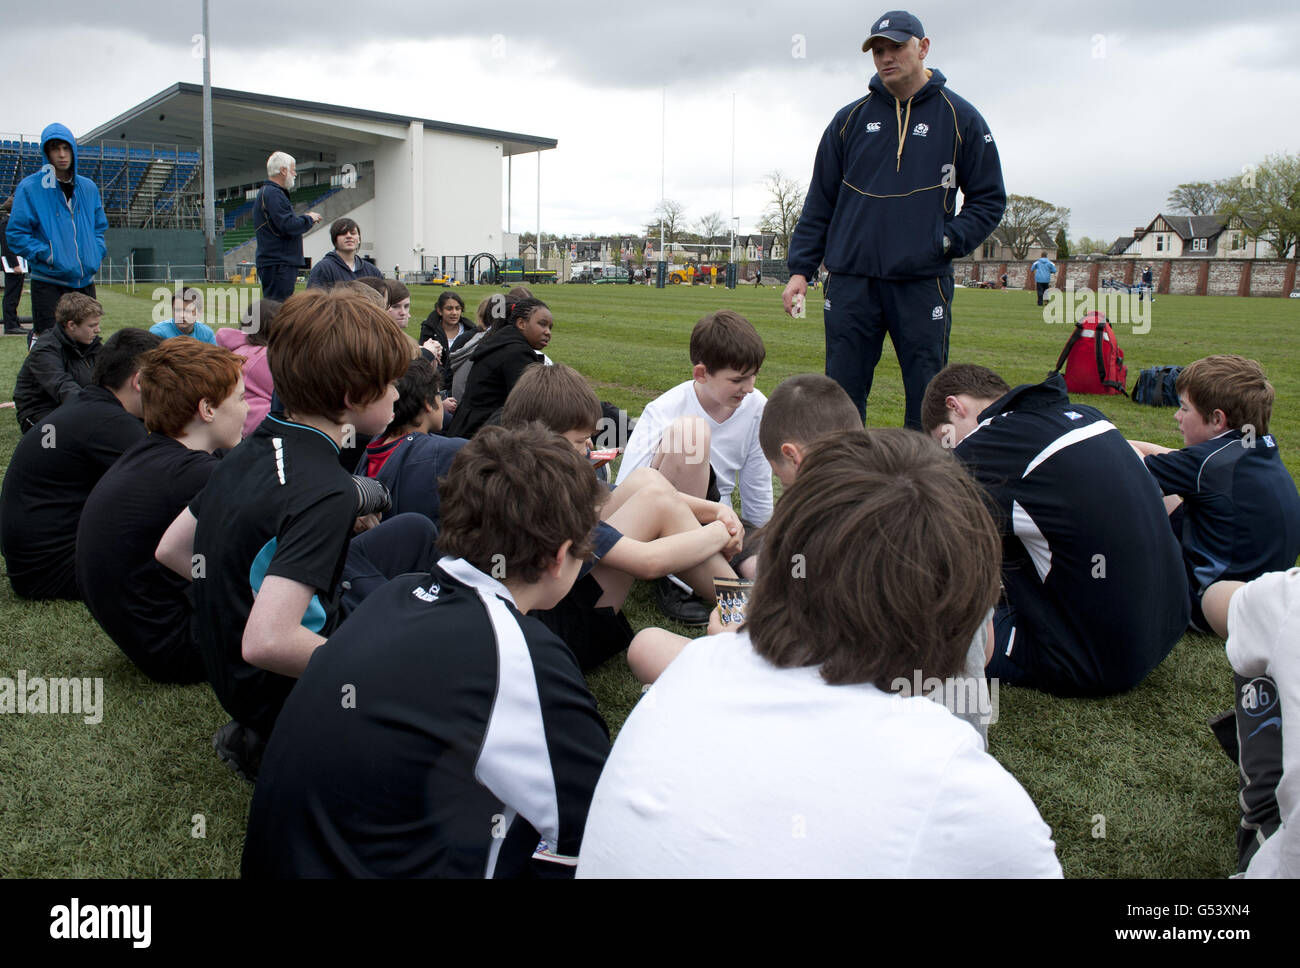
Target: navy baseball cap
x=896, y=25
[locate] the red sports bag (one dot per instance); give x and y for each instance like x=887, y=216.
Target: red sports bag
x=1093, y=361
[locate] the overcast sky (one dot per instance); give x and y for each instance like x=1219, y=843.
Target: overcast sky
x=1102, y=107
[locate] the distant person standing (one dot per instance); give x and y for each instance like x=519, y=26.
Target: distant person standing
x=58, y=226
x=1146, y=285
x=1044, y=269
x=279, y=230
x=881, y=213
x=14, y=270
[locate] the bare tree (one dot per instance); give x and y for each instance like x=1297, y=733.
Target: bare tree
x=673, y=217
x=1028, y=222
x=710, y=227
x=784, y=206
x=1196, y=198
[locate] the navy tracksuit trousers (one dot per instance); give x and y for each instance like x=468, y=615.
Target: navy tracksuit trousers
x=917, y=315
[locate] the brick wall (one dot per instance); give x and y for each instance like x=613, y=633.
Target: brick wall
x=1214, y=277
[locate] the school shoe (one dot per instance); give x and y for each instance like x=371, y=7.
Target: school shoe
x=240, y=748
x=680, y=606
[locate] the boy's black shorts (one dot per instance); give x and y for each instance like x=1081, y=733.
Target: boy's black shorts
x=751, y=546
x=592, y=634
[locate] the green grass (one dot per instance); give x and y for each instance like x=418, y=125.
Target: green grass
x=120, y=798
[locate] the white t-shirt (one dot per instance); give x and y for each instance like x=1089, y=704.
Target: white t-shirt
x=731, y=766
x=1264, y=640
x=733, y=450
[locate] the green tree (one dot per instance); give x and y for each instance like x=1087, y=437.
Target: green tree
x=1086, y=246
x=1266, y=197
x=1062, y=245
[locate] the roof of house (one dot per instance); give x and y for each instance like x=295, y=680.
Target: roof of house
x=1192, y=226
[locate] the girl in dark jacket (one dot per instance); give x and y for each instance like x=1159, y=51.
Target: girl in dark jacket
x=447, y=325
x=514, y=344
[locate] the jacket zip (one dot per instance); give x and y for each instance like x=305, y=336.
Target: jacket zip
x=902, y=130
x=72, y=211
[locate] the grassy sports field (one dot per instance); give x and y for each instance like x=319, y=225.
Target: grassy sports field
x=1132, y=786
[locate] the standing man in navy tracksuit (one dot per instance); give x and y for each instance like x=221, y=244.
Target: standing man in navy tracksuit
x=58, y=226
x=279, y=230
x=880, y=213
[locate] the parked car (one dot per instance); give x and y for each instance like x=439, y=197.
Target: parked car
x=618, y=274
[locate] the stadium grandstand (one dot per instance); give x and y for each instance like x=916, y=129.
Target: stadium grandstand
x=142, y=185
x=427, y=194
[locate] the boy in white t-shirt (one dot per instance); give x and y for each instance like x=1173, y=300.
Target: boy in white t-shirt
x=703, y=434
x=879, y=564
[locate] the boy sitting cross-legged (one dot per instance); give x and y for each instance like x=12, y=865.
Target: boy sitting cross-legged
x=1239, y=515
x=801, y=409
x=187, y=307
x=411, y=456
x=702, y=435
x=1090, y=571
x=647, y=528
x=268, y=542
x=61, y=360
x=193, y=399
x=443, y=731
x=56, y=466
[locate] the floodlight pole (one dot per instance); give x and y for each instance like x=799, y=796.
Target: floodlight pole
x=731, y=253
x=209, y=204
x=663, y=135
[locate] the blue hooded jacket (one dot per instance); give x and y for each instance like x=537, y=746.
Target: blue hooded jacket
x=884, y=187
x=62, y=241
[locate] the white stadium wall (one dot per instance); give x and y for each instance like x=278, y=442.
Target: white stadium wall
x=435, y=190
x=462, y=195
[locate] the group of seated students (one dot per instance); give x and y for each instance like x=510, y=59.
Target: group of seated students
x=397, y=609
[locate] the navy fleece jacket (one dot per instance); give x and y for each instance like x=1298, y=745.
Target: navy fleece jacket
x=885, y=182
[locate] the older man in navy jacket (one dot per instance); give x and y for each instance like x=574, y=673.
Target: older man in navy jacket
x=880, y=214
x=279, y=230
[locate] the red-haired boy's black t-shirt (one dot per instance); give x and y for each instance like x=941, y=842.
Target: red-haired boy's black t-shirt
x=142, y=605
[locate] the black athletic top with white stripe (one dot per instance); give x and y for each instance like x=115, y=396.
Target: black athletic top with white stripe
x=1090, y=565
x=1242, y=515
x=438, y=733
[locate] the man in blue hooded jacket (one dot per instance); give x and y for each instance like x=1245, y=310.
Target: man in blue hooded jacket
x=58, y=226
x=880, y=213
